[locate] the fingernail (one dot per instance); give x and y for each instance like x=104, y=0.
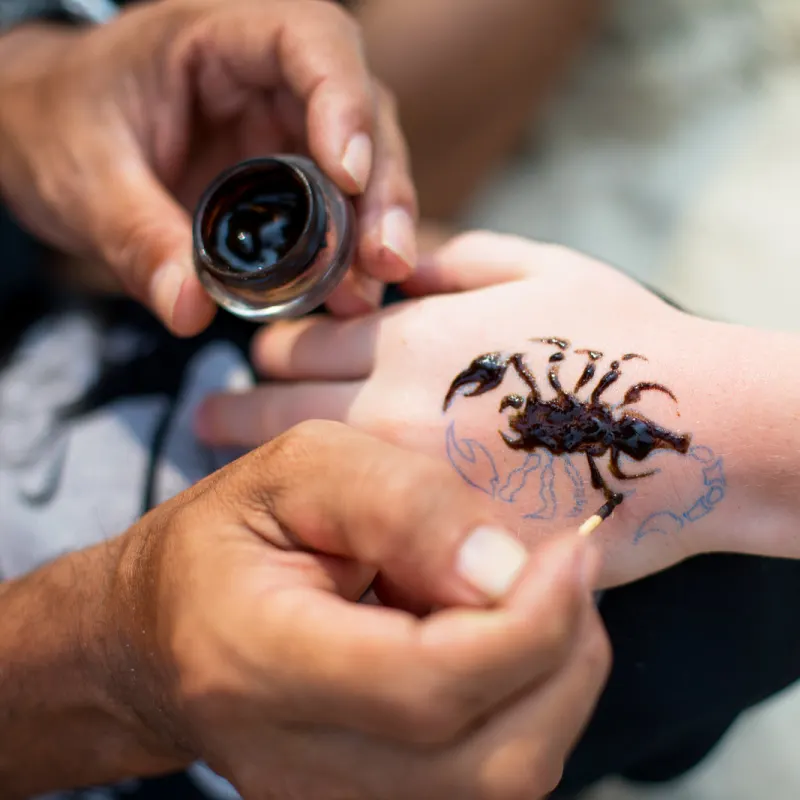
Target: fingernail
x=399, y=235
x=165, y=286
x=357, y=159
x=370, y=290
x=490, y=560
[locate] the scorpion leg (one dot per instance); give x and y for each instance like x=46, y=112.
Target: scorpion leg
x=609, y=378
x=589, y=370
x=511, y=401
x=553, y=380
x=586, y=376
x=615, y=469
x=634, y=394
x=525, y=375
x=514, y=444
x=613, y=499
x=561, y=344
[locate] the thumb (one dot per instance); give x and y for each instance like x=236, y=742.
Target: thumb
x=346, y=494
x=145, y=237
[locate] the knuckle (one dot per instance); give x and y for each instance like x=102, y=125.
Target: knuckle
x=302, y=453
x=387, y=99
x=126, y=254
x=444, y=708
x=598, y=652
x=285, y=455
x=302, y=441
x=409, y=486
x=434, y=722
x=543, y=778
x=518, y=769
x=403, y=192
x=554, y=633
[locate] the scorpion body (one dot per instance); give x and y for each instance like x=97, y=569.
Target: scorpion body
x=566, y=424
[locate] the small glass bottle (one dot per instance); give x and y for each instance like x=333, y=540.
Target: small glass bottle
x=273, y=237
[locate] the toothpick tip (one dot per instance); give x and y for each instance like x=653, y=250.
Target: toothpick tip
x=590, y=525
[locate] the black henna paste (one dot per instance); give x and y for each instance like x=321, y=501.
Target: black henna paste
x=566, y=424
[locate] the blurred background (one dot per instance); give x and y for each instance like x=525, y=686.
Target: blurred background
x=672, y=150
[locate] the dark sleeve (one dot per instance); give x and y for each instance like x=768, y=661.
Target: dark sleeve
x=19, y=258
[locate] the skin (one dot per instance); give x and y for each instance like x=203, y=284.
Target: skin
x=737, y=388
x=189, y=637
x=463, y=122
x=108, y=135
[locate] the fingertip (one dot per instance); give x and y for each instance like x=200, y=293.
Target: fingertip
x=165, y=285
x=340, y=138
x=491, y=561
x=265, y=342
x=212, y=424
x=180, y=301
x=356, y=162
x=388, y=249
x=259, y=349
x=356, y=295
x=193, y=310
x=202, y=423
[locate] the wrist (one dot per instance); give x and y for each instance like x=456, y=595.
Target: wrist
x=143, y=680
x=752, y=405
x=64, y=721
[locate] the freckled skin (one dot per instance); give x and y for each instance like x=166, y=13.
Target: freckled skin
x=567, y=424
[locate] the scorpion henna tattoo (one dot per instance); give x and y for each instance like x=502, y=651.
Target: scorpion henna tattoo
x=566, y=424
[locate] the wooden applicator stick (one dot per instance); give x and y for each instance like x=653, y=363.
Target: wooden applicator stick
x=603, y=513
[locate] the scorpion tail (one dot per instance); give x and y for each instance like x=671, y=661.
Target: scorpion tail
x=615, y=469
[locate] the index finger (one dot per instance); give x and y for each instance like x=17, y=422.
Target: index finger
x=384, y=672
x=314, y=48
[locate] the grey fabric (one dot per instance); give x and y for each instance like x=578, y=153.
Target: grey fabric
x=66, y=483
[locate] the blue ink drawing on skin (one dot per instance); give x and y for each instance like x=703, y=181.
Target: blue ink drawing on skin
x=518, y=477
x=568, y=424
x=547, y=494
x=475, y=464
x=578, y=487
x=470, y=459
x=714, y=486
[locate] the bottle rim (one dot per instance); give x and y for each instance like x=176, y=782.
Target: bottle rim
x=302, y=253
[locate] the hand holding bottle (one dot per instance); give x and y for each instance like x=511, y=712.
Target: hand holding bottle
x=108, y=135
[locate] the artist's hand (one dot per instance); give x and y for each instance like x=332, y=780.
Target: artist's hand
x=244, y=645
x=109, y=135
x=389, y=374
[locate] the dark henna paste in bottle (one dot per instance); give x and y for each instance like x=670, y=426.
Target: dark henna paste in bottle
x=273, y=237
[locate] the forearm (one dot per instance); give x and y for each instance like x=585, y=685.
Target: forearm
x=737, y=488
x=60, y=724
x=469, y=76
